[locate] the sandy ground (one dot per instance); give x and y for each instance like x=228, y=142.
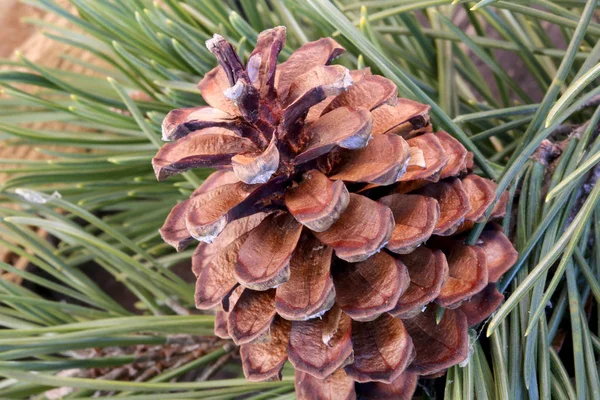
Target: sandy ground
x=14, y=33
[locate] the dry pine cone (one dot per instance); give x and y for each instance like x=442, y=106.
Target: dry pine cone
x=333, y=223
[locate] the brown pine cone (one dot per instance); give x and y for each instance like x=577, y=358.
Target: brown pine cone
x=333, y=223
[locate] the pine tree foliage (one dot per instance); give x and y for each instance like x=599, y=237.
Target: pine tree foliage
x=102, y=206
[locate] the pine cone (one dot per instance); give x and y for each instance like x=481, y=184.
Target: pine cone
x=335, y=218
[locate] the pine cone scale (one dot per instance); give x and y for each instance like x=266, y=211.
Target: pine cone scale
x=314, y=54
x=480, y=306
x=265, y=360
x=308, y=352
x=310, y=290
x=383, y=349
x=438, y=346
x=415, y=219
x=399, y=118
x=213, y=86
x=367, y=289
x=317, y=202
x=254, y=168
x=428, y=271
x=383, y=162
x=362, y=230
x=251, y=316
x=263, y=261
x=218, y=279
x=370, y=92
x=337, y=386
x=178, y=123
x=467, y=275
x=210, y=147
x=345, y=127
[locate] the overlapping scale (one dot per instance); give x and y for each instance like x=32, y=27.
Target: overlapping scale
x=209, y=147
x=309, y=292
x=263, y=260
x=308, y=351
x=316, y=201
x=362, y=229
x=369, y=288
x=383, y=161
x=265, y=360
